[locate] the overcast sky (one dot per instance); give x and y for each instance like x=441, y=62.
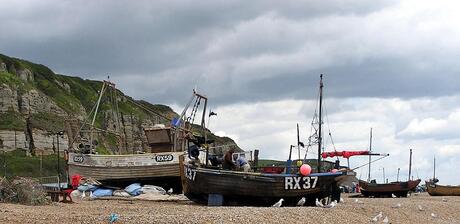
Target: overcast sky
x=389, y=65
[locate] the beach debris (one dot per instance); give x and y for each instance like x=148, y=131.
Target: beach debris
x=393, y=195
x=434, y=215
x=358, y=201
x=75, y=194
x=152, y=189
x=420, y=208
x=318, y=203
x=170, y=191
x=121, y=193
x=444, y=199
x=279, y=203
x=113, y=218
x=331, y=205
x=377, y=217
x=341, y=200
x=398, y=205
x=385, y=220
x=301, y=202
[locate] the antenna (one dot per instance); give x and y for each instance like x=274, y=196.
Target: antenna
x=370, y=150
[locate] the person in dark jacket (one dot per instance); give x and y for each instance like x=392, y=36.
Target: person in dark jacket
x=227, y=162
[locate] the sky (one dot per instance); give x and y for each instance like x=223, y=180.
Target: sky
x=388, y=65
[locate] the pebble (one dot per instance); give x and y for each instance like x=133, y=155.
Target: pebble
x=187, y=212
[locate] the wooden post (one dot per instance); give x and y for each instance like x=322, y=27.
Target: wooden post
x=256, y=159
x=182, y=174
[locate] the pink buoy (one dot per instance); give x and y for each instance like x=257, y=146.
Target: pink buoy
x=305, y=169
x=334, y=170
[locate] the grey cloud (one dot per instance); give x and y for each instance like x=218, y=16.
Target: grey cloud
x=234, y=51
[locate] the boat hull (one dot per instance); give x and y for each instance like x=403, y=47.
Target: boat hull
x=440, y=190
x=399, y=189
x=247, y=188
x=121, y=169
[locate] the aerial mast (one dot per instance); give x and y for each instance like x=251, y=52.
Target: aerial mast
x=370, y=149
x=320, y=121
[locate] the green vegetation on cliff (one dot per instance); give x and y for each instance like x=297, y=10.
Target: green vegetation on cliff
x=12, y=120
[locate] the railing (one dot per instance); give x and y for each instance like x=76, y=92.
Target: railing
x=51, y=183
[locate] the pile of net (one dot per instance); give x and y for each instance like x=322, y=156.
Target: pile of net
x=22, y=190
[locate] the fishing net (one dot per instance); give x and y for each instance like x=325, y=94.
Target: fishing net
x=27, y=191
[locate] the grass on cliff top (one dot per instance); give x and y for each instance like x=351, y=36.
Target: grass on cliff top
x=12, y=120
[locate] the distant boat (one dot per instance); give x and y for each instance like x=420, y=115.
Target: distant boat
x=397, y=188
x=350, y=177
x=435, y=189
x=203, y=184
x=441, y=190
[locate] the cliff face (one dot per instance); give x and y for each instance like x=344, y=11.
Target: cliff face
x=35, y=103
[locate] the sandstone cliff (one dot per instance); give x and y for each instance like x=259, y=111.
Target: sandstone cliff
x=35, y=103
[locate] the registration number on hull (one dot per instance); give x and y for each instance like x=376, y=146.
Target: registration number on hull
x=164, y=158
x=190, y=174
x=297, y=183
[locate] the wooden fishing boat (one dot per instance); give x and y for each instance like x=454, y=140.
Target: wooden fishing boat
x=441, y=190
x=110, y=169
x=435, y=189
x=251, y=188
x=399, y=188
x=160, y=166
x=203, y=184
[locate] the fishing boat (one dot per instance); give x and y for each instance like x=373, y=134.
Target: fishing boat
x=349, y=178
x=215, y=186
x=397, y=188
x=435, y=189
x=159, y=166
x=254, y=188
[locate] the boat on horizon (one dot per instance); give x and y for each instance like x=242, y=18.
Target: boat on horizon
x=435, y=189
x=396, y=188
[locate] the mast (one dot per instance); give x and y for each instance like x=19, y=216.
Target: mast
x=298, y=141
x=320, y=121
x=370, y=149
x=434, y=167
x=410, y=163
x=94, y=117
